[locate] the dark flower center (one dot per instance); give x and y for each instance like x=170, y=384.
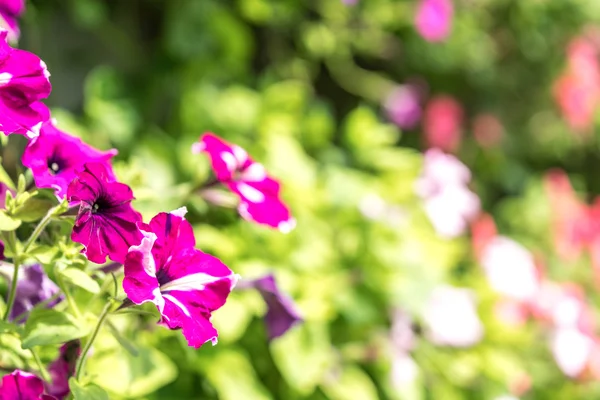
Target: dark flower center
x=55, y=165
x=101, y=204
x=162, y=277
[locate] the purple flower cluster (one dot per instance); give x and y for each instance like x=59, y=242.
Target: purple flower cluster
x=161, y=263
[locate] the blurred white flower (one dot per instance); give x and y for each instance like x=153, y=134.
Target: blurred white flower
x=571, y=350
x=451, y=317
x=404, y=370
x=448, y=202
x=510, y=269
x=506, y=397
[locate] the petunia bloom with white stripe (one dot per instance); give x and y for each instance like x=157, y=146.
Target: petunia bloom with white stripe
x=185, y=284
x=260, y=200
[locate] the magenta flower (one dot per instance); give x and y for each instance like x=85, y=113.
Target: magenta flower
x=10, y=11
x=281, y=310
x=20, y=385
x=63, y=368
x=55, y=158
x=23, y=83
x=258, y=193
x=185, y=284
x=434, y=19
x=106, y=221
x=33, y=287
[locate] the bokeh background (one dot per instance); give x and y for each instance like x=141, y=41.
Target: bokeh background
x=441, y=158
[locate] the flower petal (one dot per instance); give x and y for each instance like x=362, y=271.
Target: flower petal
x=21, y=385
x=65, y=153
x=140, y=283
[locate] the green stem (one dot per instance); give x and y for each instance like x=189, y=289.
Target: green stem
x=88, y=345
x=359, y=81
x=13, y=287
x=39, y=228
x=41, y=368
x=67, y=292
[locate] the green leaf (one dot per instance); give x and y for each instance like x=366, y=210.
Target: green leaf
x=79, y=278
x=351, y=383
x=8, y=223
x=233, y=376
x=46, y=326
x=6, y=327
x=33, y=209
x=87, y=392
x=44, y=254
x=123, y=341
x=303, y=356
x=129, y=376
x=4, y=178
x=21, y=184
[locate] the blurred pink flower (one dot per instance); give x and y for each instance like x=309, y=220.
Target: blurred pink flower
x=569, y=215
x=511, y=312
x=575, y=225
x=448, y=202
x=451, y=317
x=433, y=19
x=10, y=11
x=577, y=90
x=403, y=106
x=483, y=231
x=442, y=123
x=487, y=130
x=510, y=269
x=572, y=350
x=402, y=337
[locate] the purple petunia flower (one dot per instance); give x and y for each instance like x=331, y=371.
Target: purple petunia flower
x=33, y=287
x=23, y=83
x=63, y=368
x=185, y=284
x=281, y=310
x=10, y=11
x=106, y=221
x=21, y=385
x=258, y=193
x=55, y=158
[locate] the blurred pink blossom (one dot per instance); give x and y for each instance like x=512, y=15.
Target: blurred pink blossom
x=483, y=231
x=451, y=317
x=487, y=130
x=510, y=269
x=511, y=312
x=448, y=202
x=404, y=368
x=433, y=19
x=572, y=350
x=403, y=106
x=577, y=90
x=442, y=123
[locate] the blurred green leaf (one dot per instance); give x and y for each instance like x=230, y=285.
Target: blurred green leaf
x=46, y=326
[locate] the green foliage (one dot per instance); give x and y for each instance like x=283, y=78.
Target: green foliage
x=87, y=392
x=47, y=326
